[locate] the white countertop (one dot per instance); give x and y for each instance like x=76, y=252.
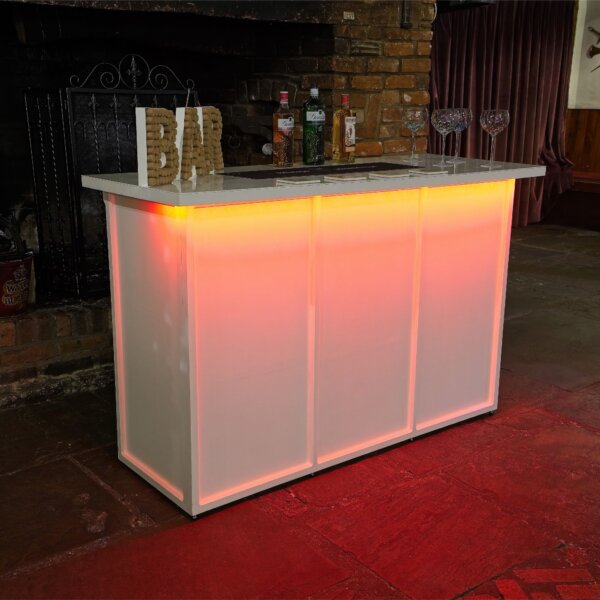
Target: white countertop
x=224, y=189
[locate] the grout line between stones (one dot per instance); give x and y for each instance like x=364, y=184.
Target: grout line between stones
x=310, y=534
x=61, y=557
x=53, y=459
x=140, y=518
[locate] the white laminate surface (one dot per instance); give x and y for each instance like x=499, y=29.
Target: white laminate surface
x=211, y=190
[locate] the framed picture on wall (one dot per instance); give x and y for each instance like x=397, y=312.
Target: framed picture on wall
x=584, y=86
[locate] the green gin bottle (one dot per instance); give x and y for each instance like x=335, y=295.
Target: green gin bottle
x=313, y=128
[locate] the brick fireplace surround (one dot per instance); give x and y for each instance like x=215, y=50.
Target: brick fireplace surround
x=66, y=347
x=50, y=351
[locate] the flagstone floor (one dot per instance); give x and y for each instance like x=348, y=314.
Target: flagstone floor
x=504, y=506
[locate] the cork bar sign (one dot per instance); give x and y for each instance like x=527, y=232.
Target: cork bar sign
x=180, y=145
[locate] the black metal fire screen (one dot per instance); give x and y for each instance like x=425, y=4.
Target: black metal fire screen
x=87, y=128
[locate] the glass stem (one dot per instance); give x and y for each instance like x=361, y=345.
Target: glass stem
x=413, y=153
x=457, y=150
x=492, y=145
x=443, y=163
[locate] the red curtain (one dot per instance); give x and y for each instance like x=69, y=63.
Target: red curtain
x=514, y=55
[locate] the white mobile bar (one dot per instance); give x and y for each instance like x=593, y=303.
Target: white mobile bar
x=266, y=332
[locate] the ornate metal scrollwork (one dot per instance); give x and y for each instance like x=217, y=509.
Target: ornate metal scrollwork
x=89, y=127
x=132, y=73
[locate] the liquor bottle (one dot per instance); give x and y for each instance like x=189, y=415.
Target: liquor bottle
x=283, y=133
x=313, y=128
x=344, y=132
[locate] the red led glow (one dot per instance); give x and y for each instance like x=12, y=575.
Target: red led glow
x=304, y=332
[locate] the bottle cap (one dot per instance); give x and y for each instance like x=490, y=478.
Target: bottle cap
x=283, y=96
x=314, y=90
x=345, y=98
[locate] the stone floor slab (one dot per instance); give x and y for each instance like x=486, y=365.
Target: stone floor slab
x=446, y=447
x=518, y=393
x=558, y=238
x=52, y=508
x=34, y=434
x=131, y=488
x=240, y=552
x=340, y=485
x=525, y=253
x=526, y=294
x=553, y=346
x=550, y=576
x=26, y=441
x=548, y=474
x=360, y=587
x=432, y=538
x=582, y=406
x=87, y=419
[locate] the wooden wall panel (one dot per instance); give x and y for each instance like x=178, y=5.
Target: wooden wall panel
x=583, y=142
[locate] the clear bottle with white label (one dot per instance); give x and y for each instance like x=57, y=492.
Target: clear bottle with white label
x=344, y=132
x=313, y=129
x=283, y=133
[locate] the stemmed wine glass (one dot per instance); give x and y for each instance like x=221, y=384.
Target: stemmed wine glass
x=463, y=119
x=444, y=121
x=414, y=119
x=494, y=122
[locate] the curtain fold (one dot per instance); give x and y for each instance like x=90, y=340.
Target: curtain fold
x=514, y=54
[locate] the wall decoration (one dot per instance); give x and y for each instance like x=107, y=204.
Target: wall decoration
x=584, y=88
x=178, y=146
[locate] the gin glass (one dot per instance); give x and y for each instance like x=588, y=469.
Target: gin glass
x=463, y=119
x=414, y=119
x=444, y=121
x=494, y=122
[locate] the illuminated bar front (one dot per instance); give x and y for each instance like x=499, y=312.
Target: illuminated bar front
x=264, y=332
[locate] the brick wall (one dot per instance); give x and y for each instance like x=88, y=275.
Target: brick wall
x=55, y=350
x=384, y=68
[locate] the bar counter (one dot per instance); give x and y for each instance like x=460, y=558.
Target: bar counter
x=264, y=332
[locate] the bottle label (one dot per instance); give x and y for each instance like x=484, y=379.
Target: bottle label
x=286, y=126
x=349, y=134
x=315, y=116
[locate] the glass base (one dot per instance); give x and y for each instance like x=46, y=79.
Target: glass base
x=440, y=164
x=415, y=160
x=492, y=166
x=456, y=161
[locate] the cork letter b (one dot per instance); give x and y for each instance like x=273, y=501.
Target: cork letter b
x=163, y=158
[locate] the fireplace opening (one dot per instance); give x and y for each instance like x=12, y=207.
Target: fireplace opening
x=235, y=56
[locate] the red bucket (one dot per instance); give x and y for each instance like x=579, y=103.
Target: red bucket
x=15, y=276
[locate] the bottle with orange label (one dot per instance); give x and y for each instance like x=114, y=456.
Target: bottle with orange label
x=344, y=132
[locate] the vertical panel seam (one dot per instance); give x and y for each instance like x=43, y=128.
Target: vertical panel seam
x=414, y=325
x=311, y=415
x=189, y=296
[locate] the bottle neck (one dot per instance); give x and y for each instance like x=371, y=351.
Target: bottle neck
x=284, y=104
